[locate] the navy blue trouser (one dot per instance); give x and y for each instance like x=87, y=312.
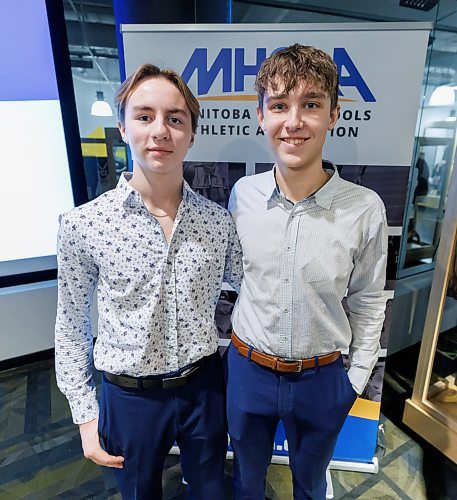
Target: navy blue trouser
x=312, y=405
x=142, y=425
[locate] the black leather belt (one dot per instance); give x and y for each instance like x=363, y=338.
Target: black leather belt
x=156, y=382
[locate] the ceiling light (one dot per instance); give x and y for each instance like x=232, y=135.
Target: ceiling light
x=442, y=96
x=419, y=4
x=100, y=107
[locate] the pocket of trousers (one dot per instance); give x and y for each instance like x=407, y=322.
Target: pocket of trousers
x=109, y=437
x=102, y=415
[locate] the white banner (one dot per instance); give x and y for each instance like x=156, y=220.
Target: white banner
x=380, y=64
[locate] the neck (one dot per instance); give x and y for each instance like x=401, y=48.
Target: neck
x=296, y=185
x=160, y=192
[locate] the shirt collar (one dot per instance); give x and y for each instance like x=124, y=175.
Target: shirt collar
x=323, y=197
x=123, y=187
x=130, y=195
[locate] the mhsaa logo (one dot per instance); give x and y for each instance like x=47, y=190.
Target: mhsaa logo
x=231, y=63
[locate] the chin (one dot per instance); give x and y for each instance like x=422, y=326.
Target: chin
x=293, y=163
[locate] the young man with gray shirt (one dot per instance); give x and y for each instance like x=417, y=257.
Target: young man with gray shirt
x=308, y=237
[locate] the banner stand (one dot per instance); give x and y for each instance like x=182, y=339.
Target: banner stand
x=371, y=468
x=220, y=61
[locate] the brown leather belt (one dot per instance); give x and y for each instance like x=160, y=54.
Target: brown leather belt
x=282, y=364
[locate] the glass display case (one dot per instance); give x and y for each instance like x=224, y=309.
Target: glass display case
x=432, y=410
x=428, y=201
x=434, y=151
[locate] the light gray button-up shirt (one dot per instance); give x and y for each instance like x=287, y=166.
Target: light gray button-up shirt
x=156, y=302
x=300, y=259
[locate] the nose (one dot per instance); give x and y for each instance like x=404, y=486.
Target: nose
x=159, y=129
x=294, y=119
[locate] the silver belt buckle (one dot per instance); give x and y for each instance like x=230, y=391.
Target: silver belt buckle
x=173, y=382
x=181, y=380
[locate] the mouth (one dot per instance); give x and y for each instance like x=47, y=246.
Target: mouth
x=159, y=150
x=296, y=141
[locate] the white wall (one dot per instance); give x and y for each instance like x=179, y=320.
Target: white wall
x=28, y=315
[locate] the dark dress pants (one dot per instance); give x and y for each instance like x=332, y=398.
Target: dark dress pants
x=312, y=405
x=142, y=425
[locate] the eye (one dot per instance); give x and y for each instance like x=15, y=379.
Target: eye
x=175, y=120
x=143, y=118
x=311, y=105
x=279, y=106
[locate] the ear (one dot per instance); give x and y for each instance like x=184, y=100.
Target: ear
x=260, y=117
x=192, y=140
x=122, y=131
x=333, y=117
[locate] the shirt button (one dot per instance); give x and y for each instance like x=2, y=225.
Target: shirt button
x=287, y=280
x=288, y=248
x=286, y=310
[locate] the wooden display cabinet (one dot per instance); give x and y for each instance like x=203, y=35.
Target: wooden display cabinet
x=432, y=409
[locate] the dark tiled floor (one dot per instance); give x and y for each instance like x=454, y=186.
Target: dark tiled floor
x=40, y=451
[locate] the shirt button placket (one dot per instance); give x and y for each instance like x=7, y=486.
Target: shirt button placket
x=287, y=270
x=172, y=311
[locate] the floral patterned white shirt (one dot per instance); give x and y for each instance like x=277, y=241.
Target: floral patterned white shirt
x=156, y=302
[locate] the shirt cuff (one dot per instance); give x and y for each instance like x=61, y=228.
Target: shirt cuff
x=84, y=409
x=359, y=378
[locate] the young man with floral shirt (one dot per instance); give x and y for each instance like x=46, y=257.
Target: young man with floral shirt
x=157, y=253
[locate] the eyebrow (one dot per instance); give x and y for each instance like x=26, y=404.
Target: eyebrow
x=173, y=111
x=306, y=95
